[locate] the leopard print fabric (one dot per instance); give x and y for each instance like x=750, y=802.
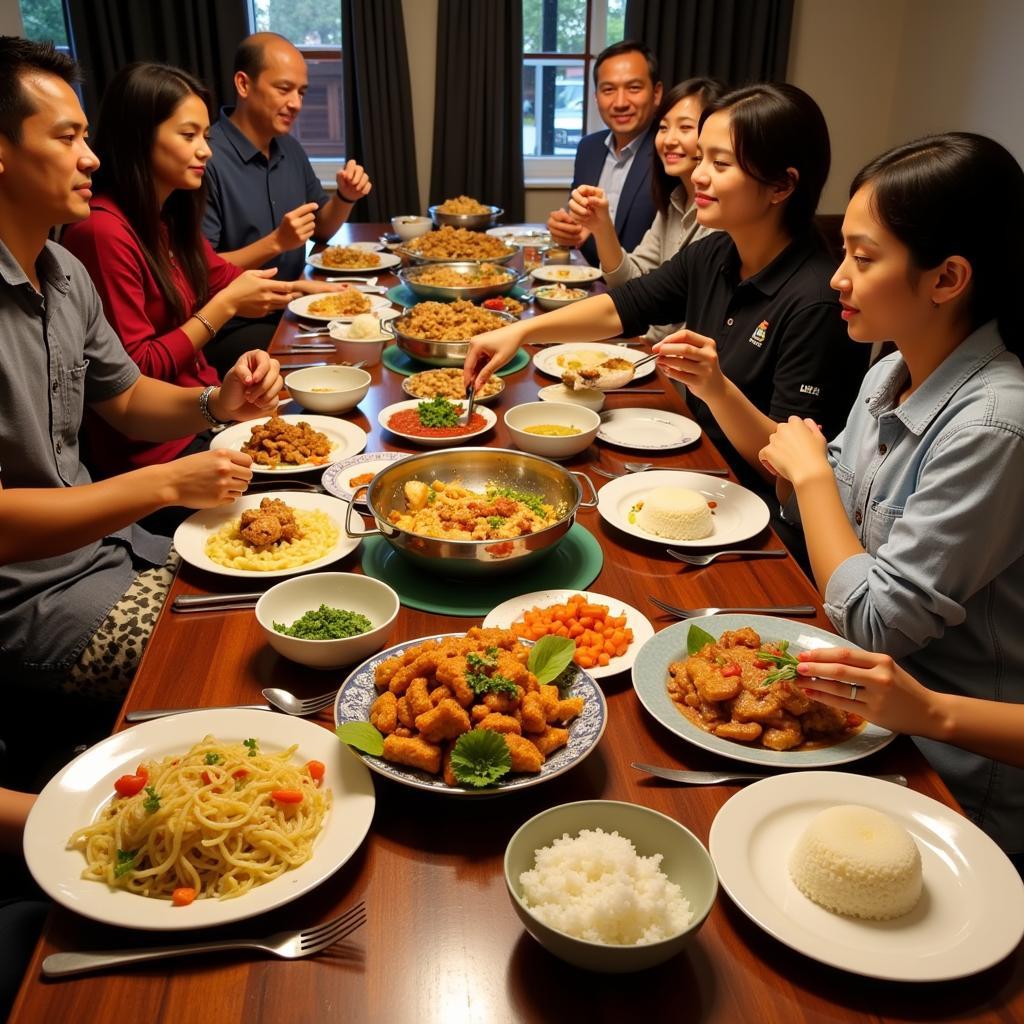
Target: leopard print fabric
x=108, y=663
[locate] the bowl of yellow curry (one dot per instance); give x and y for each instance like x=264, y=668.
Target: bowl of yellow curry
x=553, y=430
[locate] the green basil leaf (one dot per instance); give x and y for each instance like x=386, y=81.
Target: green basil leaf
x=362, y=736
x=549, y=655
x=697, y=639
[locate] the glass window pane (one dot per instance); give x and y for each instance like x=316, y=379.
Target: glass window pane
x=320, y=127
x=554, y=26
x=304, y=22
x=616, y=24
x=553, y=97
x=44, y=22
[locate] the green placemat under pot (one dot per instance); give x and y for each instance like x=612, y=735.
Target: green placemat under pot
x=401, y=362
x=574, y=563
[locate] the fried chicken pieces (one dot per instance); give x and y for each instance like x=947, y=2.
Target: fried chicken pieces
x=426, y=702
x=723, y=690
x=271, y=522
x=277, y=441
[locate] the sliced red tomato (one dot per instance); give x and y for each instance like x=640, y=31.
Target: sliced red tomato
x=287, y=796
x=732, y=669
x=129, y=785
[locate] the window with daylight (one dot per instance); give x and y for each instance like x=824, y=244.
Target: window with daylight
x=560, y=40
x=315, y=28
x=44, y=22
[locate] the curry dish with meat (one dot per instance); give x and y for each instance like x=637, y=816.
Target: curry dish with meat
x=726, y=689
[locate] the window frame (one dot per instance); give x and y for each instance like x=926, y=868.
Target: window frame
x=545, y=171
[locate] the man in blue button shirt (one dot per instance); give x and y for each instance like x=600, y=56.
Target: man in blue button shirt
x=627, y=91
x=264, y=200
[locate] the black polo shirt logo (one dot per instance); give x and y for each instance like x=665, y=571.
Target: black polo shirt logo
x=757, y=338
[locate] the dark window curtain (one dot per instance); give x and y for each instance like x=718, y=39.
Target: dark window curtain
x=737, y=41
x=378, y=106
x=478, y=112
x=198, y=35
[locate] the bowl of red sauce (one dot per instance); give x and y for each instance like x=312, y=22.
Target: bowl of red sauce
x=404, y=420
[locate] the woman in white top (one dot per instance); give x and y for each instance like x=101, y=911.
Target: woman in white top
x=675, y=224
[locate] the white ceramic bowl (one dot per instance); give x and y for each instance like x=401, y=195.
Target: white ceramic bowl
x=532, y=414
x=348, y=387
x=552, y=302
x=434, y=442
x=409, y=226
x=356, y=350
x=684, y=861
x=289, y=600
x=589, y=398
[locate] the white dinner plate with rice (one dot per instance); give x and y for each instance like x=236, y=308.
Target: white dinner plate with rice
x=190, y=538
x=738, y=514
x=557, y=359
x=647, y=430
x=300, y=307
x=512, y=610
x=387, y=260
x=337, y=478
x=77, y=794
x=650, y=678
x=358, y=692
x=346, y=440
x=566, y=273
x=970, y=914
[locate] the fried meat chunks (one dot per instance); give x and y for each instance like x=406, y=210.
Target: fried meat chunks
x=724, y=689
x=271, y=522
x=431, y=694
x=277, y=441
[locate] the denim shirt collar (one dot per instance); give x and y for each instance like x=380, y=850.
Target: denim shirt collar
x=920, y=409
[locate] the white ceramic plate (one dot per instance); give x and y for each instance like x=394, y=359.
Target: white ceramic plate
x=434, y=442
x=554, y=359
x=336, y=477
x=512, y=610
x=358, y=692
x=191, y=536
x=565, y=273
x=739, y=513
x=77, y=794
x=300, y=307
x=971, y=912
x=650, y=676
x=346, y=439
x=647, y=430
x=387, y=260
x=522, y=234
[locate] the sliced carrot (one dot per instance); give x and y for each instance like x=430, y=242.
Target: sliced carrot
x=287, y=796
x=183, y=897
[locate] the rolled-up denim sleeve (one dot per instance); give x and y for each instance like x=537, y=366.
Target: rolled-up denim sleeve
x=955, y=535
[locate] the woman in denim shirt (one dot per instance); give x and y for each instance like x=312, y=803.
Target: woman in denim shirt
x=911, y=515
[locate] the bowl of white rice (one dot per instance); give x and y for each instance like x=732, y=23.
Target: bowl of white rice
x=609, y=886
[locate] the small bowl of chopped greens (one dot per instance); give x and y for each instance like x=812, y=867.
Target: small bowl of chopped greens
x=328, y=619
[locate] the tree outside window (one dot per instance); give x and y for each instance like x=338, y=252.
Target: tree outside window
x=43, y=22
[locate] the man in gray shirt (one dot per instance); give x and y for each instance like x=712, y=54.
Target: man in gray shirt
x=69, y=551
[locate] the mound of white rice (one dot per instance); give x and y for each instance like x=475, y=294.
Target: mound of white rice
x=856, y=861
x=596, y=887
x=677, y=513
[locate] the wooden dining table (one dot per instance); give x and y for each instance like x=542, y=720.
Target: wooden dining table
x=442, y=942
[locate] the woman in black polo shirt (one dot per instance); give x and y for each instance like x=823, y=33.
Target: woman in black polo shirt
x=759, y=286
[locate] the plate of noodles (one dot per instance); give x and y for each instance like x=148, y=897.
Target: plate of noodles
x=293, y=443
x=355, y=258
x=970, y=913
x=343, y=305
x=307, y=533
x=247, y=756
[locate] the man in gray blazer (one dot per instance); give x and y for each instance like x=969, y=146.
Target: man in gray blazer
x=627, y=91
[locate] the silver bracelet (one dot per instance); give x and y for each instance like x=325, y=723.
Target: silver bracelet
x=204, y=407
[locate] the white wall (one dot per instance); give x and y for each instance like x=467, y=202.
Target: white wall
x=10, y=18
x=421, y=41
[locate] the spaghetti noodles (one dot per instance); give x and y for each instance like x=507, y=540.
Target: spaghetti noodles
x=218, y=820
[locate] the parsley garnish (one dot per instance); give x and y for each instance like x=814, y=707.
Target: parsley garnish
x=152, y=801
x=480, y=757
x=212, y=757
x=495, y=521
x=785, y=661
x=478, y=679
x=239, y=783
x=253, y=746
x=431, y=497
x=125, y=862
x=439, y=412
x=531, y=501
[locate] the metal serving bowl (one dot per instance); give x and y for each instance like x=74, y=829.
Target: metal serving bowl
x=475, y=468
x=416, y=257
x=474, y=292
x=472, y=221
x=435, y=353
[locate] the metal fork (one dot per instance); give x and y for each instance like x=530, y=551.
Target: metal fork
x=286, y=945
x=608, y=475
x=696, y=613
x=708, y=559
x=715, y=778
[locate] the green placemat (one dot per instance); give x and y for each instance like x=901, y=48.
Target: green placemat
x=401, y=362
x=403, y=295
x=573, y=564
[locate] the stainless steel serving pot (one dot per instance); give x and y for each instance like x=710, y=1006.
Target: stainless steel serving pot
x=410, y=277
x=431, y=352
x=475, y=468
x=471, y=221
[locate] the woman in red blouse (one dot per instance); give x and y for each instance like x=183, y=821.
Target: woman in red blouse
x=164, y=290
